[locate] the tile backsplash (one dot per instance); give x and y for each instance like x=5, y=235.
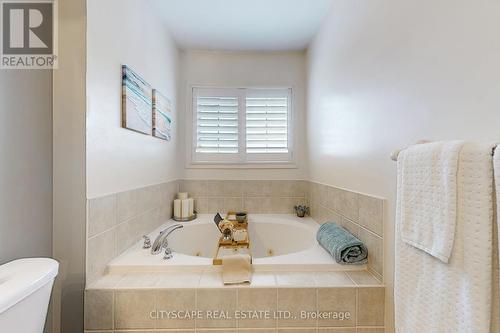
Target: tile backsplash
x=255, y=196
x=117, y=221
x=361, y=214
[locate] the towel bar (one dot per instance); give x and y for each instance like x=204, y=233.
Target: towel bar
x=394, y=155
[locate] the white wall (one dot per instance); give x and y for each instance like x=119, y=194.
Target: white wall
x=384, y=74
x=245, y=69
x=26, y=166
x=126, y=32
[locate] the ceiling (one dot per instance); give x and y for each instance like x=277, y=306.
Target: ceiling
x=243, y=25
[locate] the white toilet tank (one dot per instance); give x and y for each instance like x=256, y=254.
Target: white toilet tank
x=25, y=288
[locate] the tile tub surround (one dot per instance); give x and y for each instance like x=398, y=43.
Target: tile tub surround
x=361, y=214
x=254, y=196
x=113, y=304
x=116, y=221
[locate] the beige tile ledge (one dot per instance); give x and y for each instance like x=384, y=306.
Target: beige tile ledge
x=257, y=330
x=210, y=279
x=260, y=330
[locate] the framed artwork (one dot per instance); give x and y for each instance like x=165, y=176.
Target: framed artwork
x=162, y=116
x=137, y=100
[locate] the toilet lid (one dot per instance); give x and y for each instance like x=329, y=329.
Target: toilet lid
x=20, y=278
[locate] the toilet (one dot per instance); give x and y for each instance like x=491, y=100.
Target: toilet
x=25, y=288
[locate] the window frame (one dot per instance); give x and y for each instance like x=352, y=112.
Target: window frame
x=242, y=159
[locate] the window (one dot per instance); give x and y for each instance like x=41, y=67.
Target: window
x=217, y=125
x=266, y=123
x=242, y=126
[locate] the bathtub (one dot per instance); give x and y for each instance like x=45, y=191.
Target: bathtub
x=279, y=242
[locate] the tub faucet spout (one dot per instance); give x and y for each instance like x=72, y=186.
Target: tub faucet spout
x=161, y=242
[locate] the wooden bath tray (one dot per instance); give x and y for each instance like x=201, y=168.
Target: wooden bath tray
x=232, y=247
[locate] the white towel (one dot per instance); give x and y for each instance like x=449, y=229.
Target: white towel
x=433, y=297
x=428, y=195
x=237, y=268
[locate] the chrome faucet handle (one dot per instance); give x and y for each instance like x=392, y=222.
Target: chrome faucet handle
x=147, y=242
x=161, y=241
x=168, y=254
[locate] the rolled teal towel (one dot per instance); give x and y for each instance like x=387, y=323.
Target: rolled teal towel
x=342, y=245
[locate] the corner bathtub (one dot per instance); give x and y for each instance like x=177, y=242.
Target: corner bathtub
x=279, y=242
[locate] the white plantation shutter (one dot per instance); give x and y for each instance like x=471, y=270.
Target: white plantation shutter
x=217, y=124
x=266, y=124
x=242, y=126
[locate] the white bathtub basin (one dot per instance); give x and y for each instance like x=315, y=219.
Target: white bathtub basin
x=278, y=242
x=267, y=238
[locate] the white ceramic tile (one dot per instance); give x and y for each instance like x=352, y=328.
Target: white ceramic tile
x=126, y=205
x=233, y=204
x=364, y=278
x=211, y=280
x=174, y=299
x=371, y=213
x=178, y=280
x=296, y=300
x=102, y=214
x=215, y=205
x=258, y=299
x=255, y=188
x=371, y=306
x=336, y=300
x=224, y=300
x=349, y=205
x=350, y=226
x=263, y=279
x=101, y=250
x=201, y=205
x=126, y=235
x=295, y=279
x=233, y=188
x=145, y=199
x=98, y=309
x=138, y=281
x=214, y=188
x=332, y=279
x=195, y=188
x=133, y=309
x=108, y=281
x=375, y=245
